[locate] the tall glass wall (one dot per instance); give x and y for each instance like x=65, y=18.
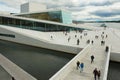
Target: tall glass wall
x=51, y=16
x=66, y=17
x=57, y=16
x=33, y=25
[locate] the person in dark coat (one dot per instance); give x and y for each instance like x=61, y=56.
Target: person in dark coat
x=13, y=78
x=78, y=63
x=92, y=59
x=99, y=74
x=95, y=72
x=107, y=48
x=92, y=41
x=78, y=41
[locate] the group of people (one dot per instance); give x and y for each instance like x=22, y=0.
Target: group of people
x=96, y=72
x=80, y=66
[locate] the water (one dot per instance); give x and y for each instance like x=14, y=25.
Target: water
x=114, y=71
x=111, y=25
x=40, y=63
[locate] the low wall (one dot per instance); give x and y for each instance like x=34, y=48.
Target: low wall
x=106, y=64
x=14, y=70
x=34, y=41
x=61, y=74
x=115, y=57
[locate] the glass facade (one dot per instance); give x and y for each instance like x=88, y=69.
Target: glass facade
x=66, y=17
x=34, y=25
x=57, y=16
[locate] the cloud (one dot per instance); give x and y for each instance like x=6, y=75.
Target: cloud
x=81, y=9
x=102, y=13
x=107, y=11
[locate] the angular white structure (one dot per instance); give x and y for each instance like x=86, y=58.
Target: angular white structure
x=32, y=7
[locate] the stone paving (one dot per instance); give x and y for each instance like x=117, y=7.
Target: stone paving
x=97, y=50
x=60, y=38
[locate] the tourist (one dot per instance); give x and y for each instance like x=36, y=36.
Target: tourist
x=78, y=41
x=81, y=67
x=107, y=48
x=13, y=78
x=99, y=74
x=66, y=34
x=92, y=41
x=102, y=32
x=102, y=42
x=92, y=59
x=81, y=36
x=95, y=72
x=102, y=36
x=88, y=41
x=69, y=38
x=106, y=36
x=75, y=36
x=96, y=37
x=78, y=63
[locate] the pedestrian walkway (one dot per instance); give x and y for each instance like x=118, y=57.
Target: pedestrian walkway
x=97, y=49
x=99, y=62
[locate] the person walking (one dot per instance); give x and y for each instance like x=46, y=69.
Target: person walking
x=69, y=38
x=92, y=59
x=99, y=74
x=92, y=41
x=78, y=41
x=95, y=72
x=78, y=63
x=88, y=41
x=13, y=78
x=81, y=67
x=107, y=49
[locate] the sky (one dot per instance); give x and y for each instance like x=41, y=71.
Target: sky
x=82, y=10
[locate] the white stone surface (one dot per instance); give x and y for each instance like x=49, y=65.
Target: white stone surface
x=60, y=42
x=32, y=7
x=100, y=63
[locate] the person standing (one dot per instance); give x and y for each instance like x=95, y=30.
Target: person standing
x=107, y=49
x=95, y=72
x=99, y=74
x=13, y=78
x=69, y=38
x=78, y=63
x=92, y=41
x=81, y=67
x=92, y=59
x=78, y=41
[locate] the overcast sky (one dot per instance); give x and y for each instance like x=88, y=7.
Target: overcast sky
x=81, y=9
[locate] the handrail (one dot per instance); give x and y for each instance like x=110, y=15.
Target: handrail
x=67, y=68
x=107, y=64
